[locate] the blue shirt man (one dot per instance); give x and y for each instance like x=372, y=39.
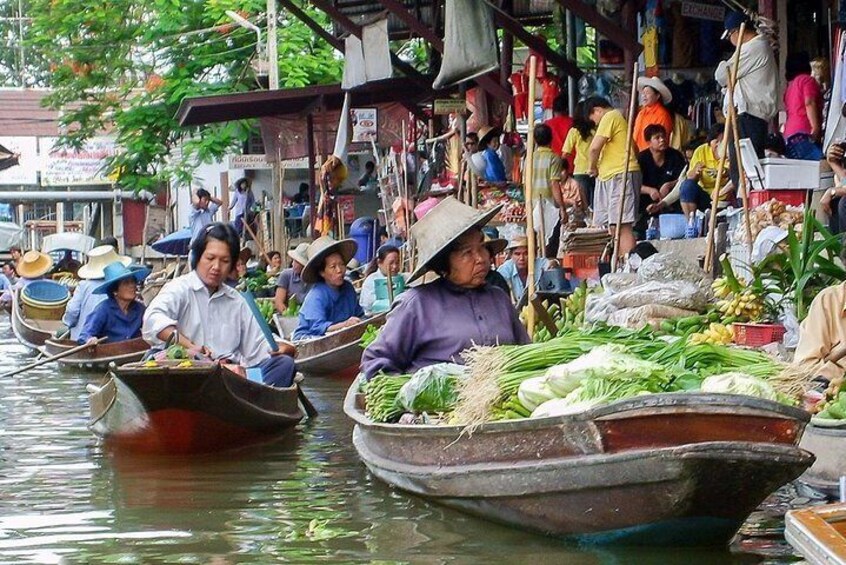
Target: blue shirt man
x=204, y=208
x=494, y=169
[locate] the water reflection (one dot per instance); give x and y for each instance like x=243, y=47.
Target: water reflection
x=303, y=499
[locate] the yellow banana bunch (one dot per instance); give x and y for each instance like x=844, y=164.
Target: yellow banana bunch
x=721, y=288
x=716, y=334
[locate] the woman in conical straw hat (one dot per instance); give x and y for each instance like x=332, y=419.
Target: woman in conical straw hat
x=84, y=301
x=435, y=322
x=331, y=303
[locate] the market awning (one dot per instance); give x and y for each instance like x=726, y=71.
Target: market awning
x=297, y=101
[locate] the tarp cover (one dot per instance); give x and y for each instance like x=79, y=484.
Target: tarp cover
x=470, y=44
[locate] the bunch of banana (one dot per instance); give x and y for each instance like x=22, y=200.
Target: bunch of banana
x=742, y=307
x=716, y=334
x=721, y=288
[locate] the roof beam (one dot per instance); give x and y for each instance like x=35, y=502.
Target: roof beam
x=602, y=24
x=313, y=25
x=536, y=43
x=399, y=10
x=338, y=16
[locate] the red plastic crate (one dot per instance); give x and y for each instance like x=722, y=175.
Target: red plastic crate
x=756, y=335
x=789, y=197
x=583, y=265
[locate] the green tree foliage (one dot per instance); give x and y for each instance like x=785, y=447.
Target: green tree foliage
x=124, y=66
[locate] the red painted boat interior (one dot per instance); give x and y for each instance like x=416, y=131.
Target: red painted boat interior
x=676, y=429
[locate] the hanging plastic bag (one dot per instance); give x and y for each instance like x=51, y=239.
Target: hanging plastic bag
x=470, y=42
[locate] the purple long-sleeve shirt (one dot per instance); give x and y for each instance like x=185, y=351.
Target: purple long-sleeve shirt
x=434, y=323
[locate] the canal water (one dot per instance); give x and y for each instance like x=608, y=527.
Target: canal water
x=306, y=499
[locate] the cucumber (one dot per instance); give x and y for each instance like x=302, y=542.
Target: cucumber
x=729, y=321
x=713, y=317
x=683, y=324
x=668, y=327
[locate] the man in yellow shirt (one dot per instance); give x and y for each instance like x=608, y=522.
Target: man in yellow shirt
x=697, y=190
x=608, y=162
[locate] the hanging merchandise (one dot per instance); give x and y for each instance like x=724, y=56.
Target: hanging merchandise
x=377, y=51
x=550, y=90
x=835, y=128
x=470, y=42
x=540, y=70
x=334, y=172
x=521, y=95
x=650, y=51
x=355, y=73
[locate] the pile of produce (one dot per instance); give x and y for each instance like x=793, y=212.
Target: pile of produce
x=370, y=334
x=381, y=394
x=567, y=313
x=267, y=309
x=772, y=213
x=431, y=390
x=293, y=309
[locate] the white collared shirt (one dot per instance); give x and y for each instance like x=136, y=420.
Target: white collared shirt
x=222, y=322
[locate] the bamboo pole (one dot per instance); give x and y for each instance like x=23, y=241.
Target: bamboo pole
x=741, y=172
x=615, y=255
x=528, y=177
x=715, y=198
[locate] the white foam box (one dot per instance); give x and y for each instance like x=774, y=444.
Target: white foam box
x=790, y=174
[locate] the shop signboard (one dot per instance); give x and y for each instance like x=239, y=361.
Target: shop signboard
x=446, y=106
x=63, y=166
x=251, y=162
x=364, y=125
x=26, y=171
x=698, y=10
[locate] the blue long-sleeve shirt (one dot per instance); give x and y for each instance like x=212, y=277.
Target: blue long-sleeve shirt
x=494, y=169
x=109, y=321
x=81, y=305
x=325, y=306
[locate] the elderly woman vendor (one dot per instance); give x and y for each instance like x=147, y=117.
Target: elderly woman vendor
x=118, y=318
x=332, y=303
x=435, y=322
x=200, y=312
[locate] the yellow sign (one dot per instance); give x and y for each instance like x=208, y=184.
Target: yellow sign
x=444, y=106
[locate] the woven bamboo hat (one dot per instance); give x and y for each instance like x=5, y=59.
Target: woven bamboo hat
x=519, y=241
x=486, y=133
x=98, y=259
x=444, y=224
x=321, y=248
x=299, y=254
x=34, y=264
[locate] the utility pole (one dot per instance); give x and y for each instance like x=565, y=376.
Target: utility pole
x=272, y=53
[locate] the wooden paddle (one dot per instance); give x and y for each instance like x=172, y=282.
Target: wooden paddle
x=61, y=355
x=311, y=411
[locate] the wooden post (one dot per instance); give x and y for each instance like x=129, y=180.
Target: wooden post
x=224, y=196
x=312, y=179
x=715, y=198
x=615, y=256
x=528, y=177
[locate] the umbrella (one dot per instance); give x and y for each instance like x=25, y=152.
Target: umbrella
x=7, y=158
x=177, y=243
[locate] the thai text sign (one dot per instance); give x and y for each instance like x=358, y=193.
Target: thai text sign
x=62, y=166
x=701, y=11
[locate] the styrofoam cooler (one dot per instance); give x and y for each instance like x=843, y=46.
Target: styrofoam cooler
x=778, y=174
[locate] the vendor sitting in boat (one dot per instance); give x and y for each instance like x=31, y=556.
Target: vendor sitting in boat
x=435, y=322
x=386, y=262
x=822, y=331
x=119, y=317
x=204, y=315
x=290, y=285
x=84, y=301
x=33, y=265
x=332, y=303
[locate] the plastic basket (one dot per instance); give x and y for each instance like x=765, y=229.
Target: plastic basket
x=789, y=197
x=672, y=226
x=756, y=335
x=54, y=312
x=582, y=265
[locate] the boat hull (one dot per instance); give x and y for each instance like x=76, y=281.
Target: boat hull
x=337, y=354
x=99, y=356
x=585, y=478
x=31, y=333
x=818, y=533
x=174, y=411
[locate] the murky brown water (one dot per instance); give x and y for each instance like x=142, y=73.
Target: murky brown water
x=306, y=499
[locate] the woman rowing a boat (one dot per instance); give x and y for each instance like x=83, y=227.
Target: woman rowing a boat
x=204, y=315
x=435, y=322
x=332, y=303
x=119, y=317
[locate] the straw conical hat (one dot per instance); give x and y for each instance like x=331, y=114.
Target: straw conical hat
x=299, y=253
x=444, y=224
x=34, y=264
x=98, y=259
x=321, y=248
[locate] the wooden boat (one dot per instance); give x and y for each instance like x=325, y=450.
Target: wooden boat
x=818, y=533
x=179, y=410
x=337, y=354
x=32, y=333
x=829, y=445
x=643, y=479
x=99, y=356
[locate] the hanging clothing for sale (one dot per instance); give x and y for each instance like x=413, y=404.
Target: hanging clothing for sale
x=650, y=49
x=355, y=72
x=470, y=42
x=521, y=96
x=540, y=68
x=377, y=51
x=550, y=92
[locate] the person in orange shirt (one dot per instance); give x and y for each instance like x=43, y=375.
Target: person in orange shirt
x=655, y=96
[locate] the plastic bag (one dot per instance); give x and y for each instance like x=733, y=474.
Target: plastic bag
x=791, y=326
x=667, y=267
x=432, y=388
x=615, y=282
x=651, y=314
x=679, y=294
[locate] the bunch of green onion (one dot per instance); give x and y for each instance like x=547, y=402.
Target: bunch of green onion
x=381, y=397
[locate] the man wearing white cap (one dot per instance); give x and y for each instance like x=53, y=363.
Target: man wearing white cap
x=84, y=301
